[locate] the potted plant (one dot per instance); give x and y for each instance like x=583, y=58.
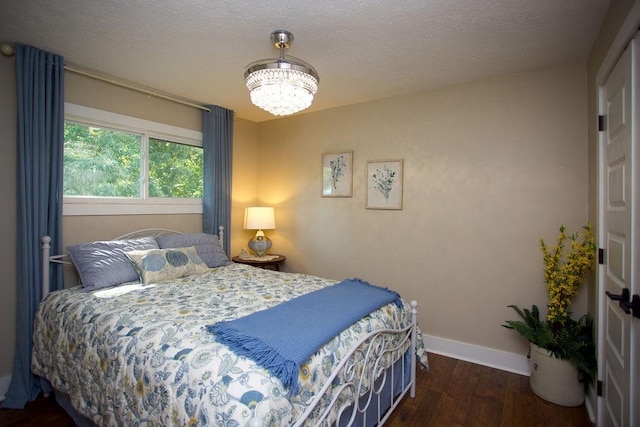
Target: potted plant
x=562, y=353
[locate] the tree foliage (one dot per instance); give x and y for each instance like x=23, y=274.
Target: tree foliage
x=107, y=163
x=175, y=170
x=101, y=162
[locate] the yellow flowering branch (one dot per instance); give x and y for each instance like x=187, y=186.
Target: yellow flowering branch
x=564, y=276
x=564, y=337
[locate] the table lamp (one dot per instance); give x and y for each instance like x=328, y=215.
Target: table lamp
x=259, y=218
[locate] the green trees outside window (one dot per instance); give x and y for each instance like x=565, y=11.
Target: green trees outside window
x=103, y=162
x=175, y=170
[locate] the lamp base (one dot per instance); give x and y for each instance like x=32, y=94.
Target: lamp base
x=260, y=243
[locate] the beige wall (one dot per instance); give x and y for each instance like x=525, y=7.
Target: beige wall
x=93, y=93
x=489, y=168
x=245, y=180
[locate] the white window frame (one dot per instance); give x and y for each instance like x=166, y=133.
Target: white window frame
x=89, y=205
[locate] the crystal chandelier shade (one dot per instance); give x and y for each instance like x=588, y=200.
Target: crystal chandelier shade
x=284, y=85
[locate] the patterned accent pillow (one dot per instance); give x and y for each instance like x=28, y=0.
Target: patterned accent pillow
x=104, y=263
x=207, y=245
x=159, y=265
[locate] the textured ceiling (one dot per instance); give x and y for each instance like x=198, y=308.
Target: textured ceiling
x=362, y=49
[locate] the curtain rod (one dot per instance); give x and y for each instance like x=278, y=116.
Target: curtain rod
x=8, y=50
x=136, y=88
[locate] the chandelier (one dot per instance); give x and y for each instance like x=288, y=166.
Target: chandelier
x=283, y=85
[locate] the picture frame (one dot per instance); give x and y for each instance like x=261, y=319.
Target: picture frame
x=384, y=184
x=337, y=174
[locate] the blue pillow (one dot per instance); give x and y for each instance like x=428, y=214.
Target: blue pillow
x=104, y=263
x=207, y=246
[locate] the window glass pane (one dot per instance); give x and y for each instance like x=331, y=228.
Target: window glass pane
x=175, y=170
x=101, y=162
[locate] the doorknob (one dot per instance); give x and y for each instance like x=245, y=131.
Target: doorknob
x=628, y=304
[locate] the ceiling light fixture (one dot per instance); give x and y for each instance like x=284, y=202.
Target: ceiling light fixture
x=284, y=85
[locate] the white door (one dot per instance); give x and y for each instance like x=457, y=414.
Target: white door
x=618, y=235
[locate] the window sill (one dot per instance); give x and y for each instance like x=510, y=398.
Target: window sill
x=82, y=206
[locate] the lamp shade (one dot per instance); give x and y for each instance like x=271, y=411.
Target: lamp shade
x=259, y=218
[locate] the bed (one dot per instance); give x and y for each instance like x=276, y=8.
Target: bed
x=141, y=352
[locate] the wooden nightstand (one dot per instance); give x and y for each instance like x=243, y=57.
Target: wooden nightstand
x=272, y=264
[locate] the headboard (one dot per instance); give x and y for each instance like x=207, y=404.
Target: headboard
x=47, y=258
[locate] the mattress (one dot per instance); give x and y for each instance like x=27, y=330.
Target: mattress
x=141, y=355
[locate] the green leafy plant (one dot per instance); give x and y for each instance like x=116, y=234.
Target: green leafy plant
x=573, y=341
x=558, y=333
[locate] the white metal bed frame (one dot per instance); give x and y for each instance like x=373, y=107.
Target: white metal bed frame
x=366, y=372
x=376, y=376
x=47, y=258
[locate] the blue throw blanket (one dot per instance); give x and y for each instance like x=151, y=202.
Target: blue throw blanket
x=283, y=337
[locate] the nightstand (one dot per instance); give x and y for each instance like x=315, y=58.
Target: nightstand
x=272, y=264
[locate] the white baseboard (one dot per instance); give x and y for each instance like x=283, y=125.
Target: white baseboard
x=503, y=360
x=4, y=386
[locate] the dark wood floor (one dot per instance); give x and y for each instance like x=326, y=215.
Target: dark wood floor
x=458, y=393
x=451, y=393
x=41, y=412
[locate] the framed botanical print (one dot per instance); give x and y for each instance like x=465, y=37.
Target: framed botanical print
x=384, y=184
x=337, y=174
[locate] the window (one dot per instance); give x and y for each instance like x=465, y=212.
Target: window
x=101, y=162
x=175, y=170
x=116, y=164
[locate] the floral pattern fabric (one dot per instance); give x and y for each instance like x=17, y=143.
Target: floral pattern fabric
x=139, y=355
x=161, y=265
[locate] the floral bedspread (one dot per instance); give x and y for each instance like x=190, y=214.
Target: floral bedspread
x=140, y=355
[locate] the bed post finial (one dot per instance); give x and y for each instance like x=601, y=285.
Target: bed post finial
x=414, y=340
x=221, y=236
x=46, y=252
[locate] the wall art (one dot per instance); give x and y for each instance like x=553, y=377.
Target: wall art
x=337, y=174
x=384, y=184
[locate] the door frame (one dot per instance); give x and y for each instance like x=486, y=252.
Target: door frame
x=627, y=31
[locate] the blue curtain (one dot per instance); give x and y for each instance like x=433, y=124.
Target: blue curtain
x=217, y=141
x=40, y=141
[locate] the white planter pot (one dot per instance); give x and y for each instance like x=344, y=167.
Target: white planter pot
x=555, y=380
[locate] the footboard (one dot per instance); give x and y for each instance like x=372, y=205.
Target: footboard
x=369, y=382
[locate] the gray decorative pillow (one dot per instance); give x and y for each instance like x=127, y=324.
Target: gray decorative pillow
x=207, y=245
x=104, y=263
x=159, y=265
